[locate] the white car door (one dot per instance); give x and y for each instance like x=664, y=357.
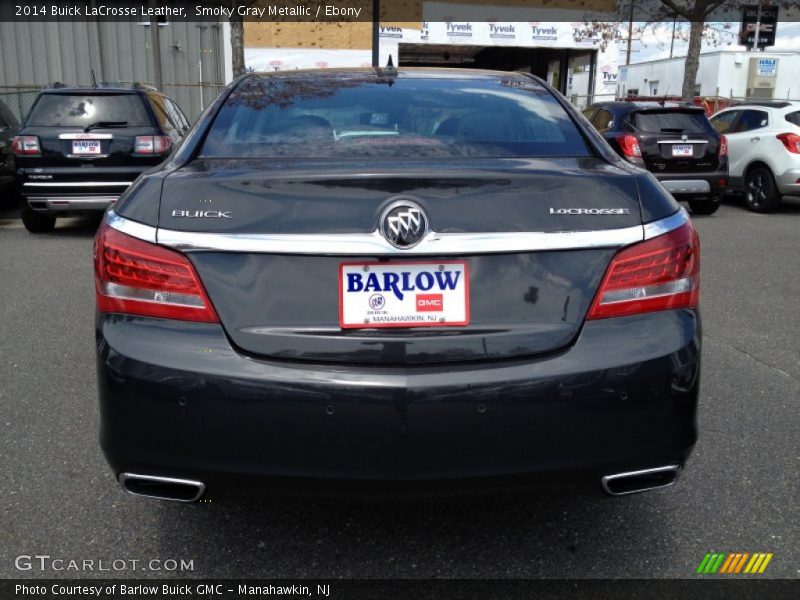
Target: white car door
x=751, y=138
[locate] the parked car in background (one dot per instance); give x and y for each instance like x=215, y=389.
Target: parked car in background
x=764, y=148
x=79, y=149
x=407, y=276
x=673, y=141
x=8, y=129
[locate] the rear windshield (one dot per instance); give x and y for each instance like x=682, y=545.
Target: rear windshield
x=328, y=117
x=80, y=110
x=671, y=122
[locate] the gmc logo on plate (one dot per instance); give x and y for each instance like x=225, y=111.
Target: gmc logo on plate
x=430, y=302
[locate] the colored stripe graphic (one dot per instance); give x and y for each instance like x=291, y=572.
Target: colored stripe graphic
x=734, y=562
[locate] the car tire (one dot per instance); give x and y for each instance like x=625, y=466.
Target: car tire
x=36, y=222
x=705, y=206
x=760, y=192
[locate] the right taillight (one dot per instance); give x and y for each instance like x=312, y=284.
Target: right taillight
x=658, y=274
x=151, y=144
x=139, y=278
x=723, y=146
x=791, y=141
x=25, y=145
x=630, y=146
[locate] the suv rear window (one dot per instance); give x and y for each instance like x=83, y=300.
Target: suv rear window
x=672, y=121
x=80, y=110
x=327, y=117
x=794, y=118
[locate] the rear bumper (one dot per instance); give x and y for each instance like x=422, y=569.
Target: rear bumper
x=693, y=185
x=65, y=190
x=789, y=182
x=177, y=400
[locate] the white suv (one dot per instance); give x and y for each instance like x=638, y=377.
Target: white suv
x=763, y=150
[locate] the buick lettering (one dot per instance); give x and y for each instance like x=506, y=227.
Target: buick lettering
x=399, y=277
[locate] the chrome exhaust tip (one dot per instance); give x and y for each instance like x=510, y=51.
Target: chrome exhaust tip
x=633, y=482
x=162, y=488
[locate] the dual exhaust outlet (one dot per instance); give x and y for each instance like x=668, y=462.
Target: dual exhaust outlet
x=190, y=490
x=632, y=482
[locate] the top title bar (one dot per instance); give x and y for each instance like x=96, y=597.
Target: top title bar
x=334, y=11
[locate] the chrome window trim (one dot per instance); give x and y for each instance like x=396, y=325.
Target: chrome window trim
x=374, y=244
x=85, y=136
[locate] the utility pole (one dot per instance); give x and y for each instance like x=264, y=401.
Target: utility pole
x=630, y=35
x=672, y=41
x=376, y=32
x=155, y=51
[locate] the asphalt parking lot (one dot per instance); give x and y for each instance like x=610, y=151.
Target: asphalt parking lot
x=739, y=492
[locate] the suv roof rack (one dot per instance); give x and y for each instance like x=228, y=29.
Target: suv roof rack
x=766, y=103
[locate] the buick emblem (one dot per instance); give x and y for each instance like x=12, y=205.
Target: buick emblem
x=404, y=224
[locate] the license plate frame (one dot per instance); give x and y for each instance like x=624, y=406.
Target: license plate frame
x=432, y=307
x=682, y=150
x=86, y=147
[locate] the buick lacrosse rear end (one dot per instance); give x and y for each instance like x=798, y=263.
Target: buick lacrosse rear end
x=399, y=277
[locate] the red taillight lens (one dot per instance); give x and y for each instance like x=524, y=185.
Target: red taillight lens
x=25, y=144
x=138, y=278
x=791, y=141
x=658, y=274
x=723, y=146
x=630, y=146
x=151, y=144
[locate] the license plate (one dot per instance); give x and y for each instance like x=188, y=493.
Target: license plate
x=85, y=147
x=403, y=294
x=682, y=150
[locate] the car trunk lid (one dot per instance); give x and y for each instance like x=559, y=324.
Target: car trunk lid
x=282, y=299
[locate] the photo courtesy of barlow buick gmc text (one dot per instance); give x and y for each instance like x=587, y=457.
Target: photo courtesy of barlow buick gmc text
x=376, y=299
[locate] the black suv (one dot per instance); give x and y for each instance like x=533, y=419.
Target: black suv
x=79, y=149
x=676, y=142
x=8, y=129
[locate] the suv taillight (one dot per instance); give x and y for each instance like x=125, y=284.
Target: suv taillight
x=23, y=145
x=791, y=141
x=630, y=146
x=723, y=146
x=139, y=278
x=658, y=274
x=151, y=144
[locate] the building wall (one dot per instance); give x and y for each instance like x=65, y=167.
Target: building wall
x=719, y=72
x=35, y=54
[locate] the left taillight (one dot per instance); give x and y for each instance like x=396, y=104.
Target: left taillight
x=139, y=278
x=25, y=145
x=658, y=274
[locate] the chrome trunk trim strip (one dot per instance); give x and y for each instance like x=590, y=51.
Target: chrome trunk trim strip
x=373, y=244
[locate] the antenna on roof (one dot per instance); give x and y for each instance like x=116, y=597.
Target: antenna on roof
x=94, y=81
x=388, y=73
x=390, y=64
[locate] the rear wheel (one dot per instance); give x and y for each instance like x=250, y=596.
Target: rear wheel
x=37, y=222
x=705, y=206
x=760, y=192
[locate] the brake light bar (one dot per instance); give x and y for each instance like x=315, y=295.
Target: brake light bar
x=658, y=274
x=151, y=144
x=139, y=278
x=791, y=141
x=25, y=145
x=629, y=145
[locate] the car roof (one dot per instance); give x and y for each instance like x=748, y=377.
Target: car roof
x=644, y=105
